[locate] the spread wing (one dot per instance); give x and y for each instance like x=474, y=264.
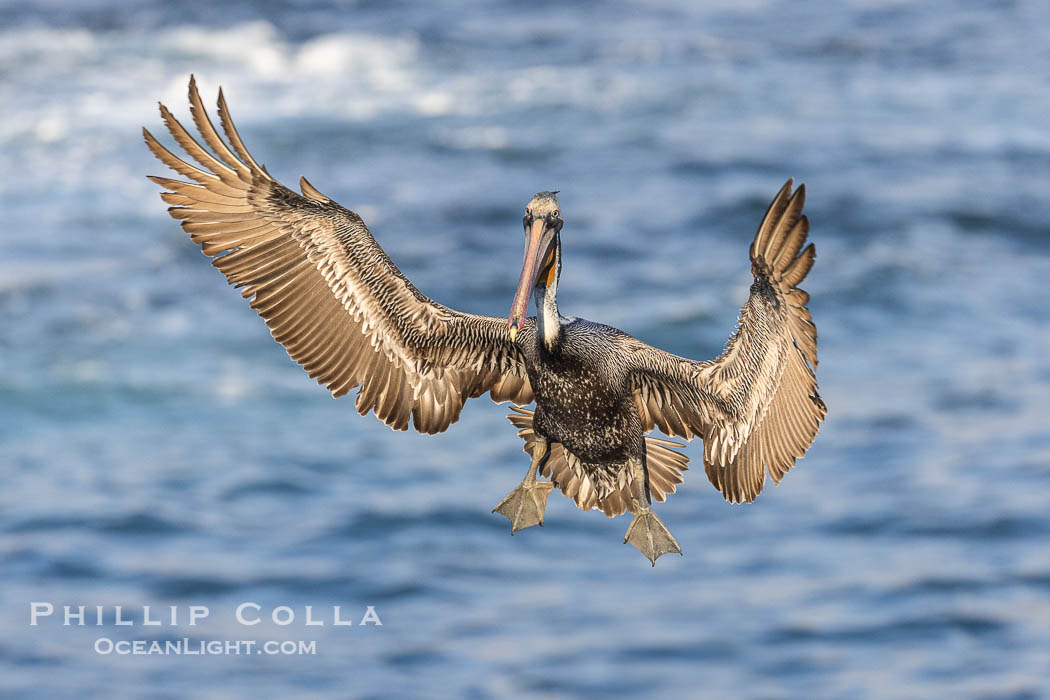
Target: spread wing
x=328, y=292
x=756, y=406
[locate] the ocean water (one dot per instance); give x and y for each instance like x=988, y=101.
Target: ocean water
x=158, y=449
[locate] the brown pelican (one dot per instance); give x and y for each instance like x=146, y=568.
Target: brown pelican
x=343, y=311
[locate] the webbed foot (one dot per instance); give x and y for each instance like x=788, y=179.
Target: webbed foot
x=648, y=534
x=525, y=505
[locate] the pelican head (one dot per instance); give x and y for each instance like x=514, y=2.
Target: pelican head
x=542, y=263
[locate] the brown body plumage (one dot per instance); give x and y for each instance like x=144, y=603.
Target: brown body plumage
x=343, y=311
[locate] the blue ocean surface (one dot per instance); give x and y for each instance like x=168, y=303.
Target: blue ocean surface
x=158, y=448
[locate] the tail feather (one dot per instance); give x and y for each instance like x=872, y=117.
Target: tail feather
x=663, y=460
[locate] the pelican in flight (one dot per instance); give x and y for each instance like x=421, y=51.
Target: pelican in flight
x=343, y=310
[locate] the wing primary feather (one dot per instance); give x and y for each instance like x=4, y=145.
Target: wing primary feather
x=186, y=169
x=776, y=209
x=211, y=136
x=784, y=223
x=196, y=151
x=231, y=133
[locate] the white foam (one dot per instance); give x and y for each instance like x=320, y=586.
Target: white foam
x=118, y=74
x=355, y=75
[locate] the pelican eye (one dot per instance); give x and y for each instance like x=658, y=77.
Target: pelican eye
x=555, y=214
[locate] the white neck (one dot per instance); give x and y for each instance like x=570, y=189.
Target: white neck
x=547, y=317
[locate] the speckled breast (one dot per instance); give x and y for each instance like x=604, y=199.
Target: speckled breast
x=582, y=399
